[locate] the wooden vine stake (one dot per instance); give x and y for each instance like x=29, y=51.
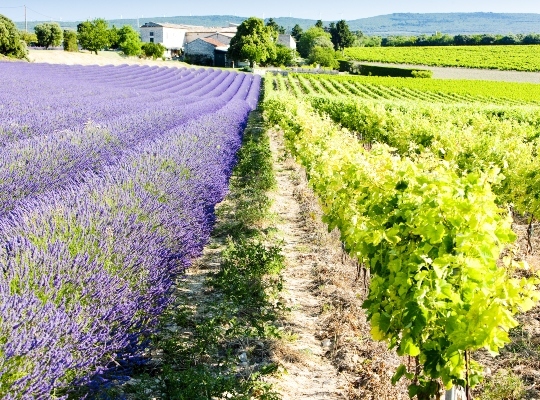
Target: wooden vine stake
x=467, y=386
x=529, y=235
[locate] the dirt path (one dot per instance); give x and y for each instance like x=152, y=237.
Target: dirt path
x=310, y=375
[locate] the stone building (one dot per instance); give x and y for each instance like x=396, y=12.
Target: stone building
x=207, y=51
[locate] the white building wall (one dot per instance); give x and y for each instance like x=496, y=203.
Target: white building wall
x=287, y=41
x=173, y=38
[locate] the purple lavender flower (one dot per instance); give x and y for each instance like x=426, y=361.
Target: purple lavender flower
x=101, y=216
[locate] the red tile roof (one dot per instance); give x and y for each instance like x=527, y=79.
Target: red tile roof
x=213, y=42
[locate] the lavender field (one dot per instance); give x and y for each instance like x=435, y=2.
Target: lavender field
x=108, y=181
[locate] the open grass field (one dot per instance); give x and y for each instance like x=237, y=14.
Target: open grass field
x=84, y=57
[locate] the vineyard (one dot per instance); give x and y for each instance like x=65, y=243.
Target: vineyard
x=519, y=58
x=109, y=180
x=118, y=182
x=419, y=183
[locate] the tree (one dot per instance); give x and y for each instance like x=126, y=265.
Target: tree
x=129, y=41
x=296, y=32
x=341, y=35
x=284, y=56
x=253, y=42
x=277, y=29
x=319, y=24
x=322, y=41
x=324, y=56
x=28, y=37
x=49, y=34
x=307, y=41
x=70, y=41
x=114, y=38
x=93, y=36
x=11, y=44
x=154, y=50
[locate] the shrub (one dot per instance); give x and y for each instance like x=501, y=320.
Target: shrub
x=377, y=70
x=154, y=50
x=344, y=66
x=422, y=73
x=70, y=41
x=199, y=59
x=324, y=56
x=29, y=38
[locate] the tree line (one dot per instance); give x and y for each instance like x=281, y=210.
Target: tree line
x=439, y=39
x=257, y=42
x=90, y=35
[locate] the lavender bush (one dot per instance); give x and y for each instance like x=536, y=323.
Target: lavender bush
x=105, y=214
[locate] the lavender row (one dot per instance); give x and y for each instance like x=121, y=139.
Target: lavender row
x=22, y=82
x=20, y=86
x=42, y=163
x=16, y=125
x=87, y=270
x=30, y=167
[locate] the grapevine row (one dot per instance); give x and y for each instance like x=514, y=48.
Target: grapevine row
x=431, y=236
x=438, y=90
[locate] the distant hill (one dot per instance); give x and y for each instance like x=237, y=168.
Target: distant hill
x=450, y=23
x=383, y=25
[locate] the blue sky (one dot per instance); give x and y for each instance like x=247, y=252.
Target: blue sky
x=313, y=9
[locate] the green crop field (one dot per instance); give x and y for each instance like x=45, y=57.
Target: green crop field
x=419, y=182
x=440, y=90
x=519, y=58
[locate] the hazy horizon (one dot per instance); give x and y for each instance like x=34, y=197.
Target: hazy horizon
x=61, y=10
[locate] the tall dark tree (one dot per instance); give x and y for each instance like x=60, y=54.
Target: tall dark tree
x=93, y=36
x=49, y=34
x=296, y=32
x=278, y=29
x=331, y=29
x=342, y=36
x=319, y=24
x=253, y=42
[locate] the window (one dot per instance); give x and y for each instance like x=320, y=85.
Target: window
x=151, y=40
x=151, y=33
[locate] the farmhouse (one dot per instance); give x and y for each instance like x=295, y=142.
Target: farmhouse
x=171, y=36
x=176, y=38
